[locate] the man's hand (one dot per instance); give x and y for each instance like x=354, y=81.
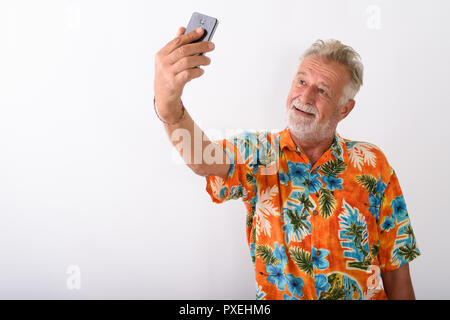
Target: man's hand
x=175, y=65
x=397, y=284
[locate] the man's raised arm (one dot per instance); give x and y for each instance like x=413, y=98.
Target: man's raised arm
x=175, y=65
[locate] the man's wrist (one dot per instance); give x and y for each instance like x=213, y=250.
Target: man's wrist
x=169, y=113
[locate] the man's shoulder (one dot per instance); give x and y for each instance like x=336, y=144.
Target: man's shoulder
x=360, y=144
x=363, y=154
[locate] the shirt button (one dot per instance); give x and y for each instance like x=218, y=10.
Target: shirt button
x=318, y=252
x=315, y=212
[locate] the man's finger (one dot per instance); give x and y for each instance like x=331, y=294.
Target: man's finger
x=189, y=74
x=190, y=62
x=189, y=50
x=183, y=39
x=181, y=30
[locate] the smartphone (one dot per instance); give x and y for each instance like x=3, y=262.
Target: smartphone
x=209, y=24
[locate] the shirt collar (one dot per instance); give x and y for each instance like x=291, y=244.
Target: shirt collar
x=287, y=142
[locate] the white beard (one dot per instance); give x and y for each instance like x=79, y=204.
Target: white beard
x=307, y=128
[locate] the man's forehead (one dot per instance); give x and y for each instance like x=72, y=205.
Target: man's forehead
x=330, y=72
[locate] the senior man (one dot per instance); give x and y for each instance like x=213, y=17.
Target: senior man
x=325, y=215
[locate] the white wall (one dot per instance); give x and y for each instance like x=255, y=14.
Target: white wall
x=87, y=174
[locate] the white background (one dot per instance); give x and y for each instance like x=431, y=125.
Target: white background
x=87, y=173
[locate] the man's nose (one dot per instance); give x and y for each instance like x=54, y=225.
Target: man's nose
x=307, y=96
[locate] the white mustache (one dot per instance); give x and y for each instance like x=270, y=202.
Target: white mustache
x=304, y=107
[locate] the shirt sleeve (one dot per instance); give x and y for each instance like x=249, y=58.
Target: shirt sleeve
x=240, y=181
x=397, y=241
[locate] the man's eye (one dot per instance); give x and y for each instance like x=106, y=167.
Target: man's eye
x=302, y=82
x=322, y=91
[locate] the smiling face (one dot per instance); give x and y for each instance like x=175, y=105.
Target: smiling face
x=312, y=105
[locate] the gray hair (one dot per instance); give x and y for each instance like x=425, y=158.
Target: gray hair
x=334, y=50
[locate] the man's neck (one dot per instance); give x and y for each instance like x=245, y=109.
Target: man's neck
x=313, y=149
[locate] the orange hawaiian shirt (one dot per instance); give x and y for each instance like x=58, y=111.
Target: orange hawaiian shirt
x=321, y=231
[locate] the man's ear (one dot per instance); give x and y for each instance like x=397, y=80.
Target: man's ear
x=346, y=108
